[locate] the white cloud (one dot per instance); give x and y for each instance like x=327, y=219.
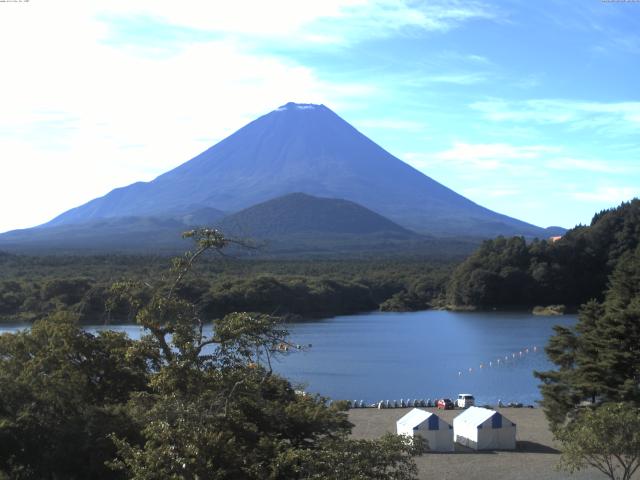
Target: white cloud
x=615, y=42
x=486, y=157
x=437, y=15
x=459, y=78
x=83, y=87
x=608, y=194
x=85, y=111
x=482, y=156
x=478, y=59
x=611, y=118
x=313, y=21
x=599, y=166
x=251, y=17
x=84, y=117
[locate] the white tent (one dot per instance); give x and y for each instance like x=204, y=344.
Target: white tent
x=484, y=429
x=429, y=426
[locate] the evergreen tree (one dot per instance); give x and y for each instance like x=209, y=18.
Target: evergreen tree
x=599, y=359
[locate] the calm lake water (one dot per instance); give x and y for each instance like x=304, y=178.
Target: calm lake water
x=429, y=354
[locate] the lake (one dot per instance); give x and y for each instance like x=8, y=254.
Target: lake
x=428, y=354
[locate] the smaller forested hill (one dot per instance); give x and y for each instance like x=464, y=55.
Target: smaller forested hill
x=511, y=272
x=302, y=214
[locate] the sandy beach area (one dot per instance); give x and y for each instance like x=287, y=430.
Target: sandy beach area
x=535, y=457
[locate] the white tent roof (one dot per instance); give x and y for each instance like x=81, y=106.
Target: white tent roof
x=475, y=416
x=414, y=418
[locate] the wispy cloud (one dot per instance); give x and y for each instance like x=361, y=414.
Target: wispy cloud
x=314, y=21
x=458, y=78
x=494, y=156
x=614, y=44
x=483, y=156
x=612, y=118
x=434, y=15
x=107, y=116
x=608, y=194
x=599, y=166
x=454, y=57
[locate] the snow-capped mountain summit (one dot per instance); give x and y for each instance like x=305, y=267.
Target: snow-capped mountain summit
x=301, y=147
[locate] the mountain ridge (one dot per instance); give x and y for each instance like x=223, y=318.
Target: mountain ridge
x=293, y=225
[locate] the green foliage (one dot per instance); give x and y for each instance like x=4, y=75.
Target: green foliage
x=176, y=404
x=306, y=297
x=606, y=438
x=509, y=272
x=384, y=459
x=32, y=287
x=493, y=275
x=599, y=359
x=592, y=399
x=221, y=412
x=63, y=391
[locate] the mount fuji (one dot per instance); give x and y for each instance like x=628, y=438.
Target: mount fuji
x=296, y=148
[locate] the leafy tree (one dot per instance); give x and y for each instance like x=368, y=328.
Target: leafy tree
x=384, y=459
x=63, y=392
x=606, y=438
x=179, y=403
x=216, y=409
x=65, y=291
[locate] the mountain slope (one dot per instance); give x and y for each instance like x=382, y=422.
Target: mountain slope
x=295, y=225
x=302, y=148
x=123, y=234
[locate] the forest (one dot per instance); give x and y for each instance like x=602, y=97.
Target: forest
x=501, y=273
x=511, y=272
x=33, y=286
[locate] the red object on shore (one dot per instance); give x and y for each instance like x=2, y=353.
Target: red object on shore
x=445, y=404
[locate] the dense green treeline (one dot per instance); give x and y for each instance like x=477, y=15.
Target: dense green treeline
x=32, y=287
x=511, y=272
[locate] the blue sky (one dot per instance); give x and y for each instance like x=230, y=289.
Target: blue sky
x=530, y=108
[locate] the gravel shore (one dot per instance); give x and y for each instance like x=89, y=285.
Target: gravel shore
x=534, y=459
